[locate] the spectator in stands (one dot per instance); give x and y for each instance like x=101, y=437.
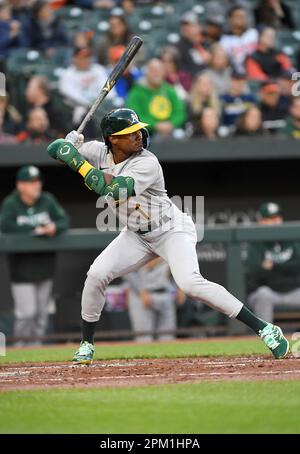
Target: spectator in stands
x=10, y=119
x=21, y=11
x=193, y=56
x=131, y=75
x=274, y=13
x=274, y=109
x=118, y=34
x=37, y=127
x=95, y=4
x=82, y=39
x=219, y=69
x=292, y=128
x=273, y=269
x=46, y=30
x=12, y=35
x=208, y=124
x=31, y=212
x=128, y=6
x=38, y=95
x=80, y=83
x=240, y=41
x=250, y=123
x=181, y=81
x=213, y=29
x=267, y=62
x=286, y=83
x=156, y=101
x=236, y=101
x=4, y=136
x=202, y=95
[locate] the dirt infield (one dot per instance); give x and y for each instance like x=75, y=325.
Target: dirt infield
x=138, y=372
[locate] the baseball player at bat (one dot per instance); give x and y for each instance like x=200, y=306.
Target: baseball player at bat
x=155, y=226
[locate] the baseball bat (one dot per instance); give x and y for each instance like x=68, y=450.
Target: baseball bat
x=130, y=51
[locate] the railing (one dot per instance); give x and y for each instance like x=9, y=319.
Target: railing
x=231, y=237
x=188, y=150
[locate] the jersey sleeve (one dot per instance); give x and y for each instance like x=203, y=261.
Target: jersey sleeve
x=93, y=152
x=144, y=172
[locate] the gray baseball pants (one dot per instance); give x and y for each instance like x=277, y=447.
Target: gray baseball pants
x=31, y=302
x=161, y=316
x=264, y=301
x=129, y=251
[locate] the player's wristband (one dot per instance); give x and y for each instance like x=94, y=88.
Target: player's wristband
x=85, y=168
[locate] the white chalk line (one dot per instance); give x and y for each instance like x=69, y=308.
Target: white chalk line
x=135, y=377
x=216, y=363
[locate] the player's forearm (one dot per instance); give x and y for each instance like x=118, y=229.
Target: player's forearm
x=95, y=179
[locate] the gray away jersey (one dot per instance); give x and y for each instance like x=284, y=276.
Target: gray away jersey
x=151, y=203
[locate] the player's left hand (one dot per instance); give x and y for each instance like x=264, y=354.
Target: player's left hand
x=75, y=138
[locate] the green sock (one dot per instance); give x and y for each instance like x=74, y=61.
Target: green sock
x=251, y=320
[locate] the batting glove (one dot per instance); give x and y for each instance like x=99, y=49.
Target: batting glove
x=75, y=139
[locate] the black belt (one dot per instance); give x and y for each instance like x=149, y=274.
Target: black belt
x=158, y=290
x=149, y=227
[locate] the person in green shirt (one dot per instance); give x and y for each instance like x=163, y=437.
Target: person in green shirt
x=273, y=269
x=292, y=128
x=30, y=211
x=157, y=102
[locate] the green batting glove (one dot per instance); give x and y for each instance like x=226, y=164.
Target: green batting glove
x=69, y=154
x=95, y=180
x=53, y=148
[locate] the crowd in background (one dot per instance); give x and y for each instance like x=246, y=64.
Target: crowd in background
x=224, y=75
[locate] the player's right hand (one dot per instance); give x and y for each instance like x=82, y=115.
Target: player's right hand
x=75, y=139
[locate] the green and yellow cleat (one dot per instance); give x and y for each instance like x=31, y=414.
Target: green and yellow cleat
x=85, y=353
x=274, y=339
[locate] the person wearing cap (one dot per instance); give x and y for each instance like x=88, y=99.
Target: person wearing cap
x=237, y=100
x=273, y=107
x=267, y=61
x=272, y=269
x=193, y=55
x=30, y=211
x=292, y=127
x=80, y=83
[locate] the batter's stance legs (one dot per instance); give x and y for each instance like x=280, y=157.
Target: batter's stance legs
x=178, y=249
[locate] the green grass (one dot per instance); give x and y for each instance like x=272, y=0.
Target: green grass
x=156, y=350
x=220, y=407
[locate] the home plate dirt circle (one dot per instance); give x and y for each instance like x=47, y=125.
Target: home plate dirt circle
x=139, y=372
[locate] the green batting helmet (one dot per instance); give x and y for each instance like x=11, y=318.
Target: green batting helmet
x=122, y=121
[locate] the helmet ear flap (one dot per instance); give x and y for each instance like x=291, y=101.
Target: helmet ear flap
x=146, y=138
